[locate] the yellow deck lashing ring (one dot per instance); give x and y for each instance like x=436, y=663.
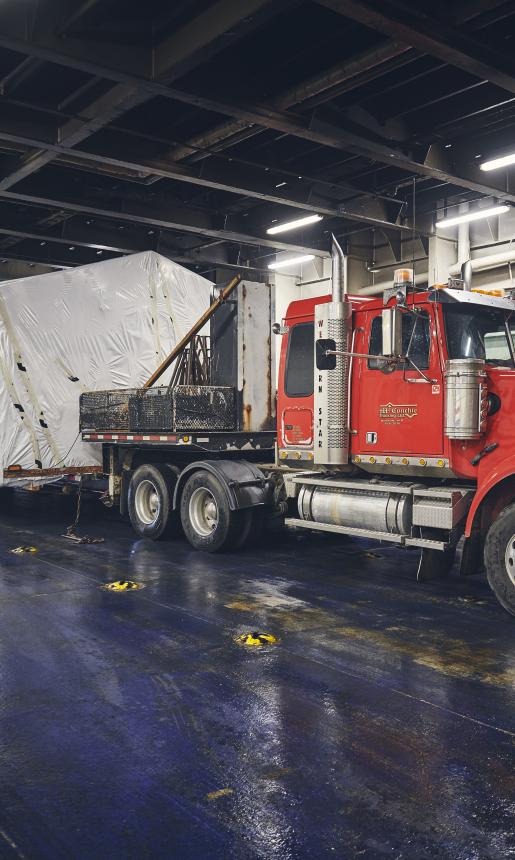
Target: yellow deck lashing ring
x=256, y=639
x=19, y=550
x=122, y=585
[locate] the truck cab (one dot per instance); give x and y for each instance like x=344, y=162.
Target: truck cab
x=426, y=423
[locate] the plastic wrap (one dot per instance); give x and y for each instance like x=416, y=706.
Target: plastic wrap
x=97, y=327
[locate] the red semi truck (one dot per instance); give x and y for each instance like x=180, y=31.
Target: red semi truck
x=395, y=421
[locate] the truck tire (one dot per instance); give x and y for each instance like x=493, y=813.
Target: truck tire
x=150, y=502
x=500, y=558
x=207, y=520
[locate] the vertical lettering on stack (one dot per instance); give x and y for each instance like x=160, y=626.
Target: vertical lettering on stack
x=333, y=321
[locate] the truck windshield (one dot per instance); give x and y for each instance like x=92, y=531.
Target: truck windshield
x=474, y=331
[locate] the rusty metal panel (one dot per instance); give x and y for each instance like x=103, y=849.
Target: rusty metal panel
x=255, y=379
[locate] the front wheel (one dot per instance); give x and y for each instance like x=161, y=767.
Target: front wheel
x=500, y=558
x=207, y=520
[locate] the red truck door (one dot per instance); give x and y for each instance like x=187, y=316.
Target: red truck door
x=295, y=394
x=397, y=411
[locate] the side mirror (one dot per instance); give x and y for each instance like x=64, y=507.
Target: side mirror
x=324, y=361
x=392, y=331
x=277, y=328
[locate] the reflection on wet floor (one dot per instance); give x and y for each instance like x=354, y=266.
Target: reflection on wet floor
x=380, y=724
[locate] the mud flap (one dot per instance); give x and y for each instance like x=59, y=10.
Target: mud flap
x=472, y=555
x=435, y=564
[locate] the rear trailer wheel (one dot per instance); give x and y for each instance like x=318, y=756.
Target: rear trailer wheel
x=150, y=502
x=500, y=558
x=207, y=520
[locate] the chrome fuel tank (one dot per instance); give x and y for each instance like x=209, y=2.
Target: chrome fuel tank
x=379, y=511
x=465, y=398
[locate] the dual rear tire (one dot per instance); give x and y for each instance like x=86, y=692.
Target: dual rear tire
x=205, y=516
x=207, y=520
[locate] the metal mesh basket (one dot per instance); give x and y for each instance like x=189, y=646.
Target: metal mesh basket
x=151, y=409
x=105, y=410
x=204, y=407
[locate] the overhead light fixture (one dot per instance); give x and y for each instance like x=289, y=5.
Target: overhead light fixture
x=472, y=216
x=292, y=225
x=291, y=261
x=496, y=163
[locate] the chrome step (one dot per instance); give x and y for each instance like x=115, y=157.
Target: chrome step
x=345, y=530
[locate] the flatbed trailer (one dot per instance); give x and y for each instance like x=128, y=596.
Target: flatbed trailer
x=215, y=485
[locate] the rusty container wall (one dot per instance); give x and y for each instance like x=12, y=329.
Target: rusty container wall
x=241, y=354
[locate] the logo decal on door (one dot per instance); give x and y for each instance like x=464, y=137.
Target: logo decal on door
x=396, y=413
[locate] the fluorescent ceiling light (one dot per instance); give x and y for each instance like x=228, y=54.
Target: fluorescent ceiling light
x=291, y=261
x=472, y=216
x=495, y=163
x=292, y=225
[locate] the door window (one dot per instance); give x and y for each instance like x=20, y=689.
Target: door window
x=415, y=341
x=299, y=377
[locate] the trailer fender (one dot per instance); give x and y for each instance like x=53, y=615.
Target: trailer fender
x=245, y=485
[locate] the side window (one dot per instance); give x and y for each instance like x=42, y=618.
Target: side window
x=416, y=341
x=299, y=378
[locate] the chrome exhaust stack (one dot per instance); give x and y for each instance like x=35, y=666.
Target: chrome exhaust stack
x=333, y=323
x=339, y=272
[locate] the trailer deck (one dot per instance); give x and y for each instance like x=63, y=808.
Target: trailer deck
x=206, y=441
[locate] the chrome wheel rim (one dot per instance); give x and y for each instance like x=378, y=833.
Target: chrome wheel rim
x=203, y=511
x=147, y=502
x=509, y=559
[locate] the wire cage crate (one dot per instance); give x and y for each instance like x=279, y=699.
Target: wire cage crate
x=204, y=407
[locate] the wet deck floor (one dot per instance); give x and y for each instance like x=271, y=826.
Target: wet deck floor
x=382, y=724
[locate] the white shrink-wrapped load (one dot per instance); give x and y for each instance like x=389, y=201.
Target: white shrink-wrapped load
x=103, y=326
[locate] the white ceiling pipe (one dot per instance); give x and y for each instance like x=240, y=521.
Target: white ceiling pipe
x=493, y=261
x=380, y=286
x=463, y=236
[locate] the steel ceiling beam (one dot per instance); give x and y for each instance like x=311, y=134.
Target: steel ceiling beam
x=341, y=78
x=19, y=74
x=70, y=240
x=193, y=257
x=177, y=54
x=77, y=14
x=196, y=41
x=28, y=263
x=13, y=269
x=323, y=133
x=319, y=132
x=349, y=71
x=135, y=213
x=434, y=37
x=235, y=181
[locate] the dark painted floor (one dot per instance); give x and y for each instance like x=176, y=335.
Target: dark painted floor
x=131, y=726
